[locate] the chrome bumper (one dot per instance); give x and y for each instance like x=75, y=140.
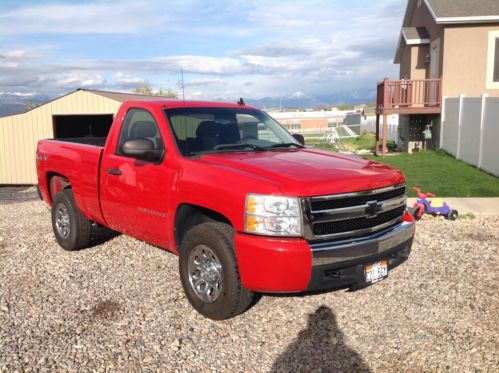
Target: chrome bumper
x=357, y=248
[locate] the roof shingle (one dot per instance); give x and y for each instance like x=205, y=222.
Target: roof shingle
x=464, y=8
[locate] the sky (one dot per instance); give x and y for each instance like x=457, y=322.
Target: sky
x=227, y=49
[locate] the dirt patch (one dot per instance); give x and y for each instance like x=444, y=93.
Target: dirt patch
x=105, y=310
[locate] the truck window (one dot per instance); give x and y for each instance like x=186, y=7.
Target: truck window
x=140, y=123
x=208, y=130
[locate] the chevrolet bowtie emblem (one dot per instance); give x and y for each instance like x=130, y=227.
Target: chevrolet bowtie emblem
x=373, y=208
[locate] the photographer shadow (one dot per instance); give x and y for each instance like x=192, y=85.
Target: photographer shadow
x=320, y=348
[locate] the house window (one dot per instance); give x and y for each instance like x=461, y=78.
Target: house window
x=493, y=61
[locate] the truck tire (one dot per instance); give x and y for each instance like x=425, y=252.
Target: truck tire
x=209, y=273
x=71, y=229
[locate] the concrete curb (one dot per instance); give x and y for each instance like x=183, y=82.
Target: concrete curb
x=476, y=206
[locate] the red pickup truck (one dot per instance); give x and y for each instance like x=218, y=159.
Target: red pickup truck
x=242, y=202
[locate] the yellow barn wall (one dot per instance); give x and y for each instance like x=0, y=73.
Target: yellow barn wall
x=20, y=133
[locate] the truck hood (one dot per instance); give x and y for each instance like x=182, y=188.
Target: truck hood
x=308, y=172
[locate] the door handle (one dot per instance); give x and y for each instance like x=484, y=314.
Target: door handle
x=114, y=171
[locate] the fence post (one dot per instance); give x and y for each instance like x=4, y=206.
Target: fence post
x=442, y=120
x=482, y=114
x=459, y=120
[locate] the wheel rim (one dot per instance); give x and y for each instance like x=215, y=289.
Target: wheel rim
x=62, y=221
x=205, y=273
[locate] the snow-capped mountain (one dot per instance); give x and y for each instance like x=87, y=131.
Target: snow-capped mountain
x=14, y=102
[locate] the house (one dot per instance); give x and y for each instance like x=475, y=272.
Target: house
x=446, y=48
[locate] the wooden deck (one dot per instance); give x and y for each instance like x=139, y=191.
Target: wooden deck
x=421, y=96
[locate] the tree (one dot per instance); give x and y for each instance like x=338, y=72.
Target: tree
x=148, y=91
x=31, y=105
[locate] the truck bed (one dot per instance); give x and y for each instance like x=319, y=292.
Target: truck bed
x=97, y=141
x=77, y=160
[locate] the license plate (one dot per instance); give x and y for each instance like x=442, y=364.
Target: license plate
x=376, y=272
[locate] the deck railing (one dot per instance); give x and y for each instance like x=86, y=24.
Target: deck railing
x=409, y=94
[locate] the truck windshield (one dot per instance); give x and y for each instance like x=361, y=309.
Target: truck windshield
x=216, y=130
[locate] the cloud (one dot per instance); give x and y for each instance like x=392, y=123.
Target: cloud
x=204, y=81
x=15, y=54
x=275, y=51
x=104, y=18
x=254, y=49
x=79, y=79
x=128, y=81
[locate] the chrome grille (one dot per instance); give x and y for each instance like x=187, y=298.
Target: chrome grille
x=355, y=214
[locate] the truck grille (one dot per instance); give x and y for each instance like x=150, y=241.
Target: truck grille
x=355, y=214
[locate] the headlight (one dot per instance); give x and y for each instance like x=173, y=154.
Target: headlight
x=273, y=215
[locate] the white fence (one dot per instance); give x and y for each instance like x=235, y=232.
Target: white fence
x=344, y=131
x=470, y=131
x=369, y=125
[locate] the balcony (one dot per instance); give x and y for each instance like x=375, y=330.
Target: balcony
x=423, y=96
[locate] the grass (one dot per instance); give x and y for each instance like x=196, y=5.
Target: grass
x=440, y=173
x=363, y=142
x=467, y=216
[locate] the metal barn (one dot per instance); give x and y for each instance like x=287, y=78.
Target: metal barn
x=77, y=114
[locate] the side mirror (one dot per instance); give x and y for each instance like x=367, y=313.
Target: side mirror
x=299, y=138
x=141, y=148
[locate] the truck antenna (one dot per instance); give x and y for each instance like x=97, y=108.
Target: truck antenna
x=183, y=88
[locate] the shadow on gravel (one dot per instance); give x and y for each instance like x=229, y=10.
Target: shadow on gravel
x=101, y=235
x=320, y=347
x=10, y=195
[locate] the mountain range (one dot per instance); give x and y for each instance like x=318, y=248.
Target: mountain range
x=11, y=103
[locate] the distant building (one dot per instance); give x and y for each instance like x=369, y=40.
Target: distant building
x=297, y=120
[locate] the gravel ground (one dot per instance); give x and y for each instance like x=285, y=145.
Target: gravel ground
x=119, y=306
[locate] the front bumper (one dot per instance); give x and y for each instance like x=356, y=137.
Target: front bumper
x=294, y=265
x=342, y=264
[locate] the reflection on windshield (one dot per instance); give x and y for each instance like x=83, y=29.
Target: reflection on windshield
x=214, y=130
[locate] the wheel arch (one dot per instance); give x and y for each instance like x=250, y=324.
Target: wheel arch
x=189, y=215
x=55, y=183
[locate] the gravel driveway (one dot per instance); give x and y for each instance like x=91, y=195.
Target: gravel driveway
x=119, y=306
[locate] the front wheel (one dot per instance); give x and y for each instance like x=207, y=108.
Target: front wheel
x=71, y=228
x=417, y=212
x=209, y=273
x=452, y=215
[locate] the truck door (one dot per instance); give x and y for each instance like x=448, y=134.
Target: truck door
x=134, y=192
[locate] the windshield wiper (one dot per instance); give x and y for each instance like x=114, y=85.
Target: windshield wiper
x=237, y=146
x=285, y=145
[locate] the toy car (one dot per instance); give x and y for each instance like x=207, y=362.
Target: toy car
x=434, y=206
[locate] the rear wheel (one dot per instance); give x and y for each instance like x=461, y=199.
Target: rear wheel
x=71, y=228
x=209, y=273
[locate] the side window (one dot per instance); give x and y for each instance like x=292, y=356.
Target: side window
x=251, y=127
x=140, y=123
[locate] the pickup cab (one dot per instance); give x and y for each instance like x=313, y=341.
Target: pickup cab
x=242, y=202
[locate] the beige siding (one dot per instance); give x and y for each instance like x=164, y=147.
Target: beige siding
x=465, y=61
x=412, y=62
x=20, y=133
x=416, y=67
x=405, y=63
